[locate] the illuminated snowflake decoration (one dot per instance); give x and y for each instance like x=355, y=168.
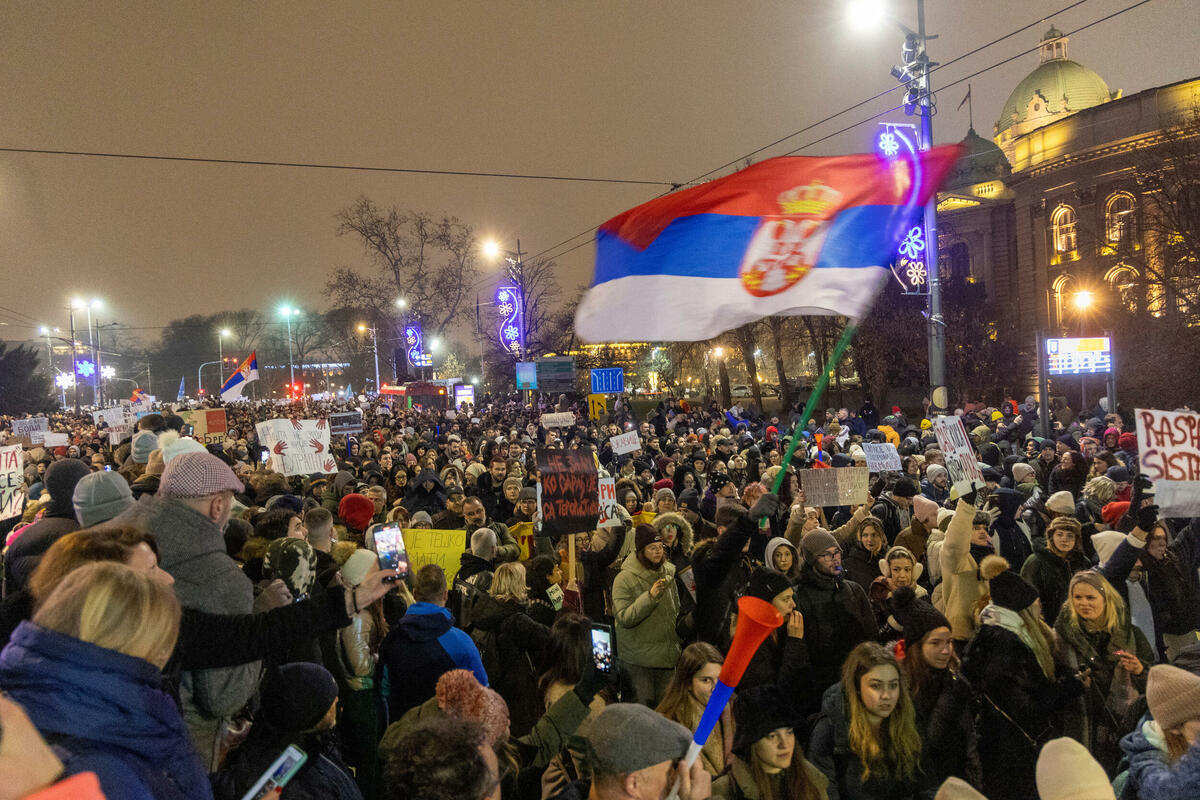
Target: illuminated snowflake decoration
x=889, y=145
x=916, y=273
x=914, y=243
x=108, y=372
x=65, y=379
x=511, y=333
x=85, y=368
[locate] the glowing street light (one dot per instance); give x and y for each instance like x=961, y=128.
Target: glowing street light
x=362, y=328
x=491, y=249
x=401, y=302
x=1083, y=300
x=719, y=352
x=288, y=312
x=866, y=14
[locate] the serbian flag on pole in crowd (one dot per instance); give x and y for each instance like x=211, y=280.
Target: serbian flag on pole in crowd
x=792, y=235
x=138, y=395
x=248, y=371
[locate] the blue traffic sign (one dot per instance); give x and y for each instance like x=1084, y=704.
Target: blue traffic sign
x=608, y=381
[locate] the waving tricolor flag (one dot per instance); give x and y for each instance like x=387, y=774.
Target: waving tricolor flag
x=138, y=395
x=248, y=371
x=791, y=235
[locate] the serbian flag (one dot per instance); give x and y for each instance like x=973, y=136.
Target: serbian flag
x=248, y=371
x=792, y=235
x=138, y=395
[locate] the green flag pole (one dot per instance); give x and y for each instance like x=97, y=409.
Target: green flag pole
x=813, y=399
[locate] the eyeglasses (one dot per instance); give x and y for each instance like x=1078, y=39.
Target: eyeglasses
x=830, y=555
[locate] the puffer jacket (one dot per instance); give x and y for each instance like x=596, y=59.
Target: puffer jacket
x=519, y=642
x=961, y=585
x=354, y=649
x=646, y=625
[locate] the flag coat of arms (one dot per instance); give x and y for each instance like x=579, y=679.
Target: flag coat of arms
x=248, y=371
x=791, y=235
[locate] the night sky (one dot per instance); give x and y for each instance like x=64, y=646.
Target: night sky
x=661, y=91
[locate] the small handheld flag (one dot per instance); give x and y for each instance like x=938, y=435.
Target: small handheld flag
x=138, y=395
x=247, y=372
x=180, y=396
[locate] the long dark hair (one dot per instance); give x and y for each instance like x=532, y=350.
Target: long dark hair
x=796, y=784
x=567, y=651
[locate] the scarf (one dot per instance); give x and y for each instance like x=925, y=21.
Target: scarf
x=1012, y=622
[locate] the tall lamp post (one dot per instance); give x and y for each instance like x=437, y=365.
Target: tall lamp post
x=288, y=312
x=221, y=334
x=88, y=305
x=45, y=331
x=919, y=98
x=374, y=350
x=74, y=356
x=515, y=322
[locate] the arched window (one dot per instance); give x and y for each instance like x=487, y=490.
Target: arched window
x=1063, y=221
x=1062, y=286
x=1126, y=284
x=1118, y=217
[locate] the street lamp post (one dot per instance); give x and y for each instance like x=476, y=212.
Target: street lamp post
x=199, y=386
x=74, y=355
x=516, y=275
x=374, y=350
x=288, y=313
x=221, y=334
x=45, y=331
x=1083, y=301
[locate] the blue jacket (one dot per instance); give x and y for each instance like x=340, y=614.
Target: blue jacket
x=103, y=712
x=1150, y=778
x=419, y=650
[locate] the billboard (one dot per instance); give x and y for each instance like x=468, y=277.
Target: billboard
x=1090, y=356
x=527, y=375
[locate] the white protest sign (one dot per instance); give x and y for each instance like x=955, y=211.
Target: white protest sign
x=881, y=457
x=608, y=504
x=1169, y=455
x=115, y=415
x=835, y=486
x=961, y=463
x=564, y=420
x=12, y=499
x=625, y=443
x=30, y=431
x=346, y=422
x=119, y=433
x=297, y=446
x=56, y=439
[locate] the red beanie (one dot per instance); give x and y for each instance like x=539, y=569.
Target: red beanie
x=1127, y=441
x=1114, y=511
x=356, y=510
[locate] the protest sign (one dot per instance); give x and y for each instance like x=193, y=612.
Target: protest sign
x=643, y=518
x=625, y=443
x=881, y=457
x=444, y=548
x=960, y=456
x=346, y=422
x=523, y=533
x=119, y=433
x=55, y=439
x=208, y=425
x=29, y=431
x=564, y=420
x=115, y=415
x=841, y=486
x=608, y=504
x=569, y=491
x=1169, y=455
x=12, y=478
x=298, y=446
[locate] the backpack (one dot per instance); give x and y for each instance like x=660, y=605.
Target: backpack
x=488, y=644
x=461, y=601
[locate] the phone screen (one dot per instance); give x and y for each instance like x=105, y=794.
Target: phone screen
x=266, y=456
x=602, y=648
x=278, y=774
x=389, y=544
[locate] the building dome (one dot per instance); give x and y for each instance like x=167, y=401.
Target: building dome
x=981, y=161
x=1057, y=87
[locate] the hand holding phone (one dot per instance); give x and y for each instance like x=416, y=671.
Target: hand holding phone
x=603, y=655
x=389, y=544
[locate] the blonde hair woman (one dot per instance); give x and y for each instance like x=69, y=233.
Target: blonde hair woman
x=866, y=741
x=87, y=670
x=1095, y=631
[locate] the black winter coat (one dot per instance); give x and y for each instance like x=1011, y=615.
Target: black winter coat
x=837, y=617
x=1020, y=710
x=861, y=566
x=946, y=720
x=519, y=645
x=1051, y=576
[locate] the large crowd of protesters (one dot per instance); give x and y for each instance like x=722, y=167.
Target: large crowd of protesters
x=178, y=617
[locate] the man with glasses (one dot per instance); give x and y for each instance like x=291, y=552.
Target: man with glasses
x=837, y=614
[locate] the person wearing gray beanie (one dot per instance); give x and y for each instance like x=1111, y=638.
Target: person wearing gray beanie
x=143, y=444
x=26, y=550
x=100, y=496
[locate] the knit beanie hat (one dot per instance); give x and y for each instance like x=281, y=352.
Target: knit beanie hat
x=1118, y=474
x=933, y=471
x=925, y=510
x=420, y=518
x=1173, y=695
x=1127, y=441
x=957, y=789
x=915, y=615
x=142, y=445
x=645, y=535
x=690, y=499
x=527, y=493
x=815, y=542
x=174, y=445
x=1106, y=543
x=1061, y=503
x=61, y=479
x=765, y=584
x=717, y=481
x=664, y=494
x=99, y=497
x=756, y=712
x=155, y=465
x=1067, y=771
x=1022, y=472
x=1008, y=589
x=356, y=511
x=297, y=696
x=461, y=696
x=904, y=488
x=1114, y=511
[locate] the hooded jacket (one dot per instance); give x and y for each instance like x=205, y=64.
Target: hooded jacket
x=415, y=653
x=431, y=501
x=333, y=494
x=106, y=712
x=679, y=553
x=1007, y=534
x=645, y=624
x=23, y=555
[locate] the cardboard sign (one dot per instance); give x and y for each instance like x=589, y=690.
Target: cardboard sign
x=12, y=479
x=55, y=439
x=208, y=425
x=608, y=504
x=882, y=457
x=1169, y=455
x=346, y=422
x=570, y=491
x=562, y=420
x=625, y=443
x=841, y=486
x=427, y=546
x=523, y=533
x=297, y=446
x=29, y=431
x=961, y=463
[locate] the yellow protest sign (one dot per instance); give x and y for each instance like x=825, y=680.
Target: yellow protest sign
x=523, y=533
x=597, y=406
x=643, y=518
x=444, y=548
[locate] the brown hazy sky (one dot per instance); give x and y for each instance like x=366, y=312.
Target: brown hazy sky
x=636, y=90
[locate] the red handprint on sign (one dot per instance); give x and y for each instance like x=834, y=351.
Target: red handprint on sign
x=296, y=424
x=317, y=446
x=320, y=423
x=280, y=446
x=329, y=464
